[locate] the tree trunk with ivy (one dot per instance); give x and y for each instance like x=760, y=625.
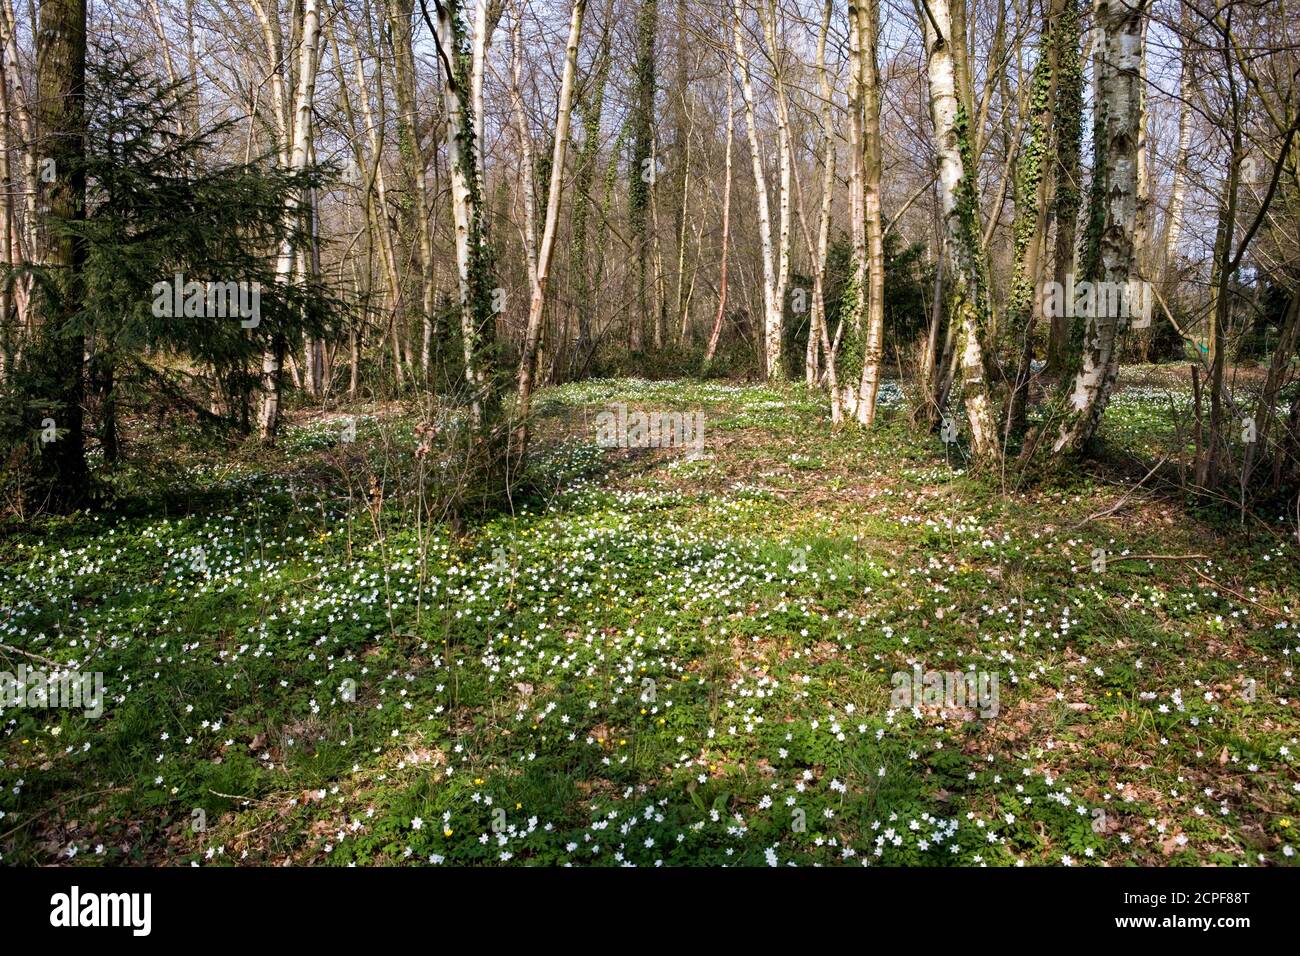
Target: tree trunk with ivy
x=641, y=175
x=1066, y=195
x=1118, y=111
x=966, y=286
x=1029, y=231
x=474, y=267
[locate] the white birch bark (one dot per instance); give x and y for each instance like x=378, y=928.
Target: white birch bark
x=784, y=159
x=1118, y=98
x=299, y=151
x=21, y=110
x=847, y=398
x=958, y=201
x=772, y=306
x=867, y=13
x=275, y=61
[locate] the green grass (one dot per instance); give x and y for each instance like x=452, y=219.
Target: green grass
x=659, y=661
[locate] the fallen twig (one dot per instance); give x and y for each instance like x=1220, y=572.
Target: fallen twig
x=35, y=657
x=1239, y=595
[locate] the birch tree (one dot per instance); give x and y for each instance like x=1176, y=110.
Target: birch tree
x=296, y=157
x=773, y=291
x=866, y=15
x=474, y=270
x=966, y=286
x=1117, y=114
x=769, y=15
x=853, y=318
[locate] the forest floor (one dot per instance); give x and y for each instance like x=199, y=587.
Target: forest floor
x=661, y=659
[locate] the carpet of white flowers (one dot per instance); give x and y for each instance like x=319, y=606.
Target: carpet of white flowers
x=654, y=658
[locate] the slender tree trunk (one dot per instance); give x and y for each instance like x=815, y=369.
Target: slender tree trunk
x=817, y=334
x=716, y=332
x=314, y=358
x=364, y=181
x=659, y=302
x=275, y=64
x=300, y=147
x=376, y=200
x=1030, y=227
x=1142, y=224
x=679, y=309
x=487, y=14
x=643, y=174
x=524, y=136
x=1220, y=307
x=868, y=15
x=20, y=234
x=785, y=166
x=27, y=130
x=1066, y=192
x=414, y=165
x=1178, y=189
x=930, y=384
x=9, y=327
x=1266, y=406
x=817, y=248
x=590, y=107
x=537, y=305
x=772, y=305
x=473, y=257
x=854, y=320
